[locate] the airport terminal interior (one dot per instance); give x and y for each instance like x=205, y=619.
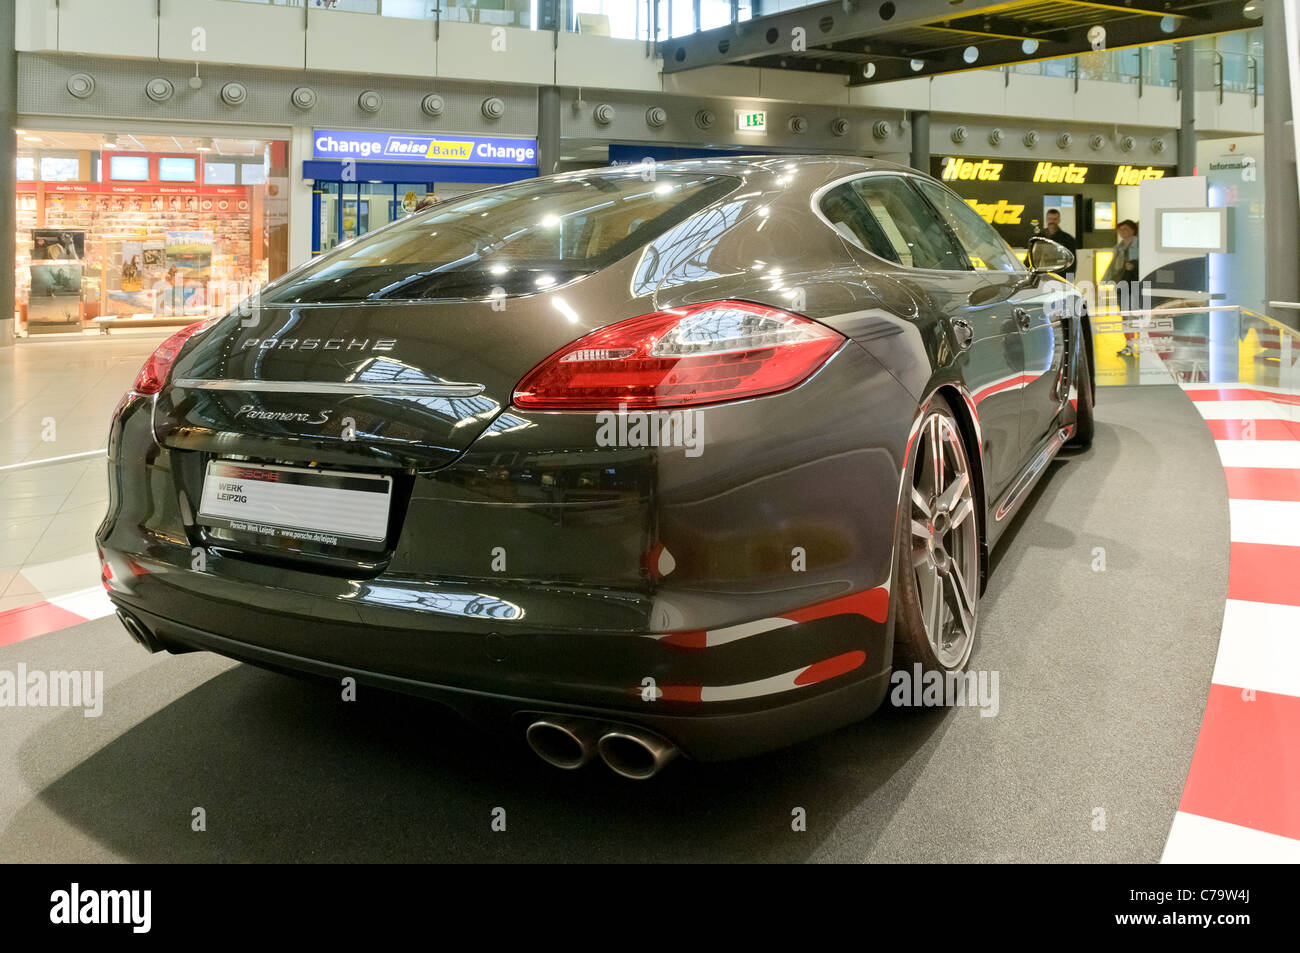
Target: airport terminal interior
x=669, y=423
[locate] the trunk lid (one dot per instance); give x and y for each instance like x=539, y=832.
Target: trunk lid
x=401, y=385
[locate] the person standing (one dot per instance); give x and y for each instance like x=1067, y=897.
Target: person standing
x=1123, y=273
x=1052, y=229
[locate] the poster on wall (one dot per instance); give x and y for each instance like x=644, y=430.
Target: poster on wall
x=190, y=253
x=56, y=281
x=55, y=300
x=132, y=273
x=55, y=244
x=189, y=266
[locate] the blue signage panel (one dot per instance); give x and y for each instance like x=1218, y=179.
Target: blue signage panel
x=634, y=155
x=442, y=149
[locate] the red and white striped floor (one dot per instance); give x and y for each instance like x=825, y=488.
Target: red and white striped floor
x=1241, y=801
x=50, y=615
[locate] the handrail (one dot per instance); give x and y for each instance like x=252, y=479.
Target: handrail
x=1273, y=321
x=1138, y=312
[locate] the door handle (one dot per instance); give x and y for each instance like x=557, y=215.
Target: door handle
x=964, y=333
x=1023, y=317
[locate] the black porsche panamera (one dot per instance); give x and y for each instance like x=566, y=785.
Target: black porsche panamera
x=630, y=462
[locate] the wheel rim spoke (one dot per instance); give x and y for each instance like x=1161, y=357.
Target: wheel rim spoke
x=948, y=499
x=920, y=530
x=934, y=622
x=920, y=502
x=958, y=516
x=936, y=457
x=960, y=603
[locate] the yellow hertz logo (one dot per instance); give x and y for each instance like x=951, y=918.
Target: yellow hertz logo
x=965, y=170
x=1003, y=213
x=1130, y=175
x=1051, y=172
x=449, y=150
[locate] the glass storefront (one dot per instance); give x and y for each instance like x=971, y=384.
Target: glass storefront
x=349, y=209
x=121, y=229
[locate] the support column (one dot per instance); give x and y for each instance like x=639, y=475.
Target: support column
x=1185, y=55
x=920, y=122
x=8, y=172
x=1281, y=196
x=548, y=129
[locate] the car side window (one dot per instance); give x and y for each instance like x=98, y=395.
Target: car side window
x=984, y=246
x=850, y=218
x=914, y=232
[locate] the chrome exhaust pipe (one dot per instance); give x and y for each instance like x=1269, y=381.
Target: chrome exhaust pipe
x=135, y=628
x=563, y=742
x=634, y=753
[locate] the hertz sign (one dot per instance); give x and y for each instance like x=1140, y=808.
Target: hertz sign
x=970, y=170
x=1000, y=212
x=957, y=169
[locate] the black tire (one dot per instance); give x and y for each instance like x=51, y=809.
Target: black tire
x=1083, y=420
x=915, y=558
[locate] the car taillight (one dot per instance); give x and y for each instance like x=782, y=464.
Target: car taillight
x=153, y=375
x=699, y=354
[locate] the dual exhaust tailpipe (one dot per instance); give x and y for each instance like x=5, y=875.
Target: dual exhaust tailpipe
x=568, y=742
x=138, y=631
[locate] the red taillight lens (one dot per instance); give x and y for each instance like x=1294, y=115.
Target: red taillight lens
x=701, y=354
x=153, y=375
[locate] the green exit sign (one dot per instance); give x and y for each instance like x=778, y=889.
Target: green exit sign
x=751, y=120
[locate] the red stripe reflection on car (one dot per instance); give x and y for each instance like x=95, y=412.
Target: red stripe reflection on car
x=772, y=685
x=839, y=665
x=1020, y=380
x=873, y=603
x=693, y=639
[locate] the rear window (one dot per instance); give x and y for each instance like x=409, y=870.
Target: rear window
x=518, y=239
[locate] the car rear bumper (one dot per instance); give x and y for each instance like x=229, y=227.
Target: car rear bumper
x=702, y=731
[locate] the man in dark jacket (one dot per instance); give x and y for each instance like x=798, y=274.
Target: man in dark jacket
x=1052, y=229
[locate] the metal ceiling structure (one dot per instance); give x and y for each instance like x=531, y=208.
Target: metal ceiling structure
x=876, y=41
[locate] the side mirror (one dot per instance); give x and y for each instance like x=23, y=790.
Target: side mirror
x=1047, y=256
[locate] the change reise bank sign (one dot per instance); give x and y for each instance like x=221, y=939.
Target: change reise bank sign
x=403, y=147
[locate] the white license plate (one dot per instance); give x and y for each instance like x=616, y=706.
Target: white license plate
x=294, y=503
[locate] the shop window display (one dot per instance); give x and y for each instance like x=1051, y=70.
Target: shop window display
x=154, y=238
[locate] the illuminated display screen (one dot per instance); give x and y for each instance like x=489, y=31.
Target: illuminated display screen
x=173, y=169
x=128, y=168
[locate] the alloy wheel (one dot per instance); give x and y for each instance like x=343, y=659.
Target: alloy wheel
x=945, y=548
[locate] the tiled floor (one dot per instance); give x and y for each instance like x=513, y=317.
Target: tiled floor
x=57, y=395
